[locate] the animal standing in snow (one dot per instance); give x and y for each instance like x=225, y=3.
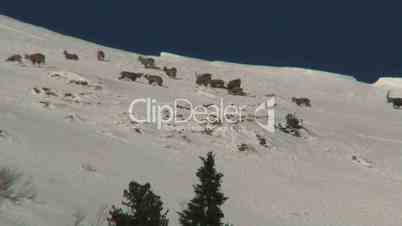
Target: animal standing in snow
x=203, y=79
x=170, y=72
x=234, y=87
x=100, y=55
x=206, y=79
x=15, y=58
x=36, y=58
x=154, y=79
x=396, y=101
x=302, y=101
x=217, y=83
x=70, y=56
x=147, y=62
x=132, y=76
x=236, y=83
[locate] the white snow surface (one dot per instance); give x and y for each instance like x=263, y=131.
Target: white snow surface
x=81, y=150
x=389, y=82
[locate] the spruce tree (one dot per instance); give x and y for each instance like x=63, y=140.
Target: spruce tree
x=143, y=208
x=204, y=209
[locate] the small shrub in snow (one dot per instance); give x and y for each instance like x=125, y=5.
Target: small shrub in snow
x=79, y=216
x=208, y=131
x=292, y=126
x=13, y=188
x=8, y=180
x=262, y=140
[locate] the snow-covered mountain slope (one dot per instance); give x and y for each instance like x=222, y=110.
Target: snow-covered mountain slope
x=79, y=147
x=393, y=84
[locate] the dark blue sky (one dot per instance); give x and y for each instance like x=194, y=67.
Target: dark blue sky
x=359, y=38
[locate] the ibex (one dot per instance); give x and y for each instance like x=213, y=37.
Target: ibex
x=70, y=56
x=154, y=79
x=301, y=101
x=203, y=79
x=130, y=75
x=170, y=72
x=15, y=58
x=36, y=58
x=100, y=55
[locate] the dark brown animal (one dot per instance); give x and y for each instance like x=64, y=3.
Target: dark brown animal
x=170, y=72
x=100, y=55
x=302, y=101
x=148, y=62
x=396, y=101
x=217, y=83
x=15, y=58
x=130, y=75
x=70, y=56
x=233, y=84
x=203, y=79
x=154, y=79
x=262, y=140
x=36, y=58
x=234, y=88
x=238, y=91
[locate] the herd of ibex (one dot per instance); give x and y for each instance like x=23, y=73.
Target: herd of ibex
x=233, y=86
x=39, y=58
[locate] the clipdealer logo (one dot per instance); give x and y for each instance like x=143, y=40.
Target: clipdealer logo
x=160, y=114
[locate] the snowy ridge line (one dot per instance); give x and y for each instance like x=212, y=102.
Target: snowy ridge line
x=180, y=57
x=302, y=70
x=264, y=67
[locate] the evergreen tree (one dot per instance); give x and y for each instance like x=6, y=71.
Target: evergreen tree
x=204, y=208
x=143, y=208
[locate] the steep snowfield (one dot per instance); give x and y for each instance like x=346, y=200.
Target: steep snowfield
x=392, y=82
x=81, y=149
